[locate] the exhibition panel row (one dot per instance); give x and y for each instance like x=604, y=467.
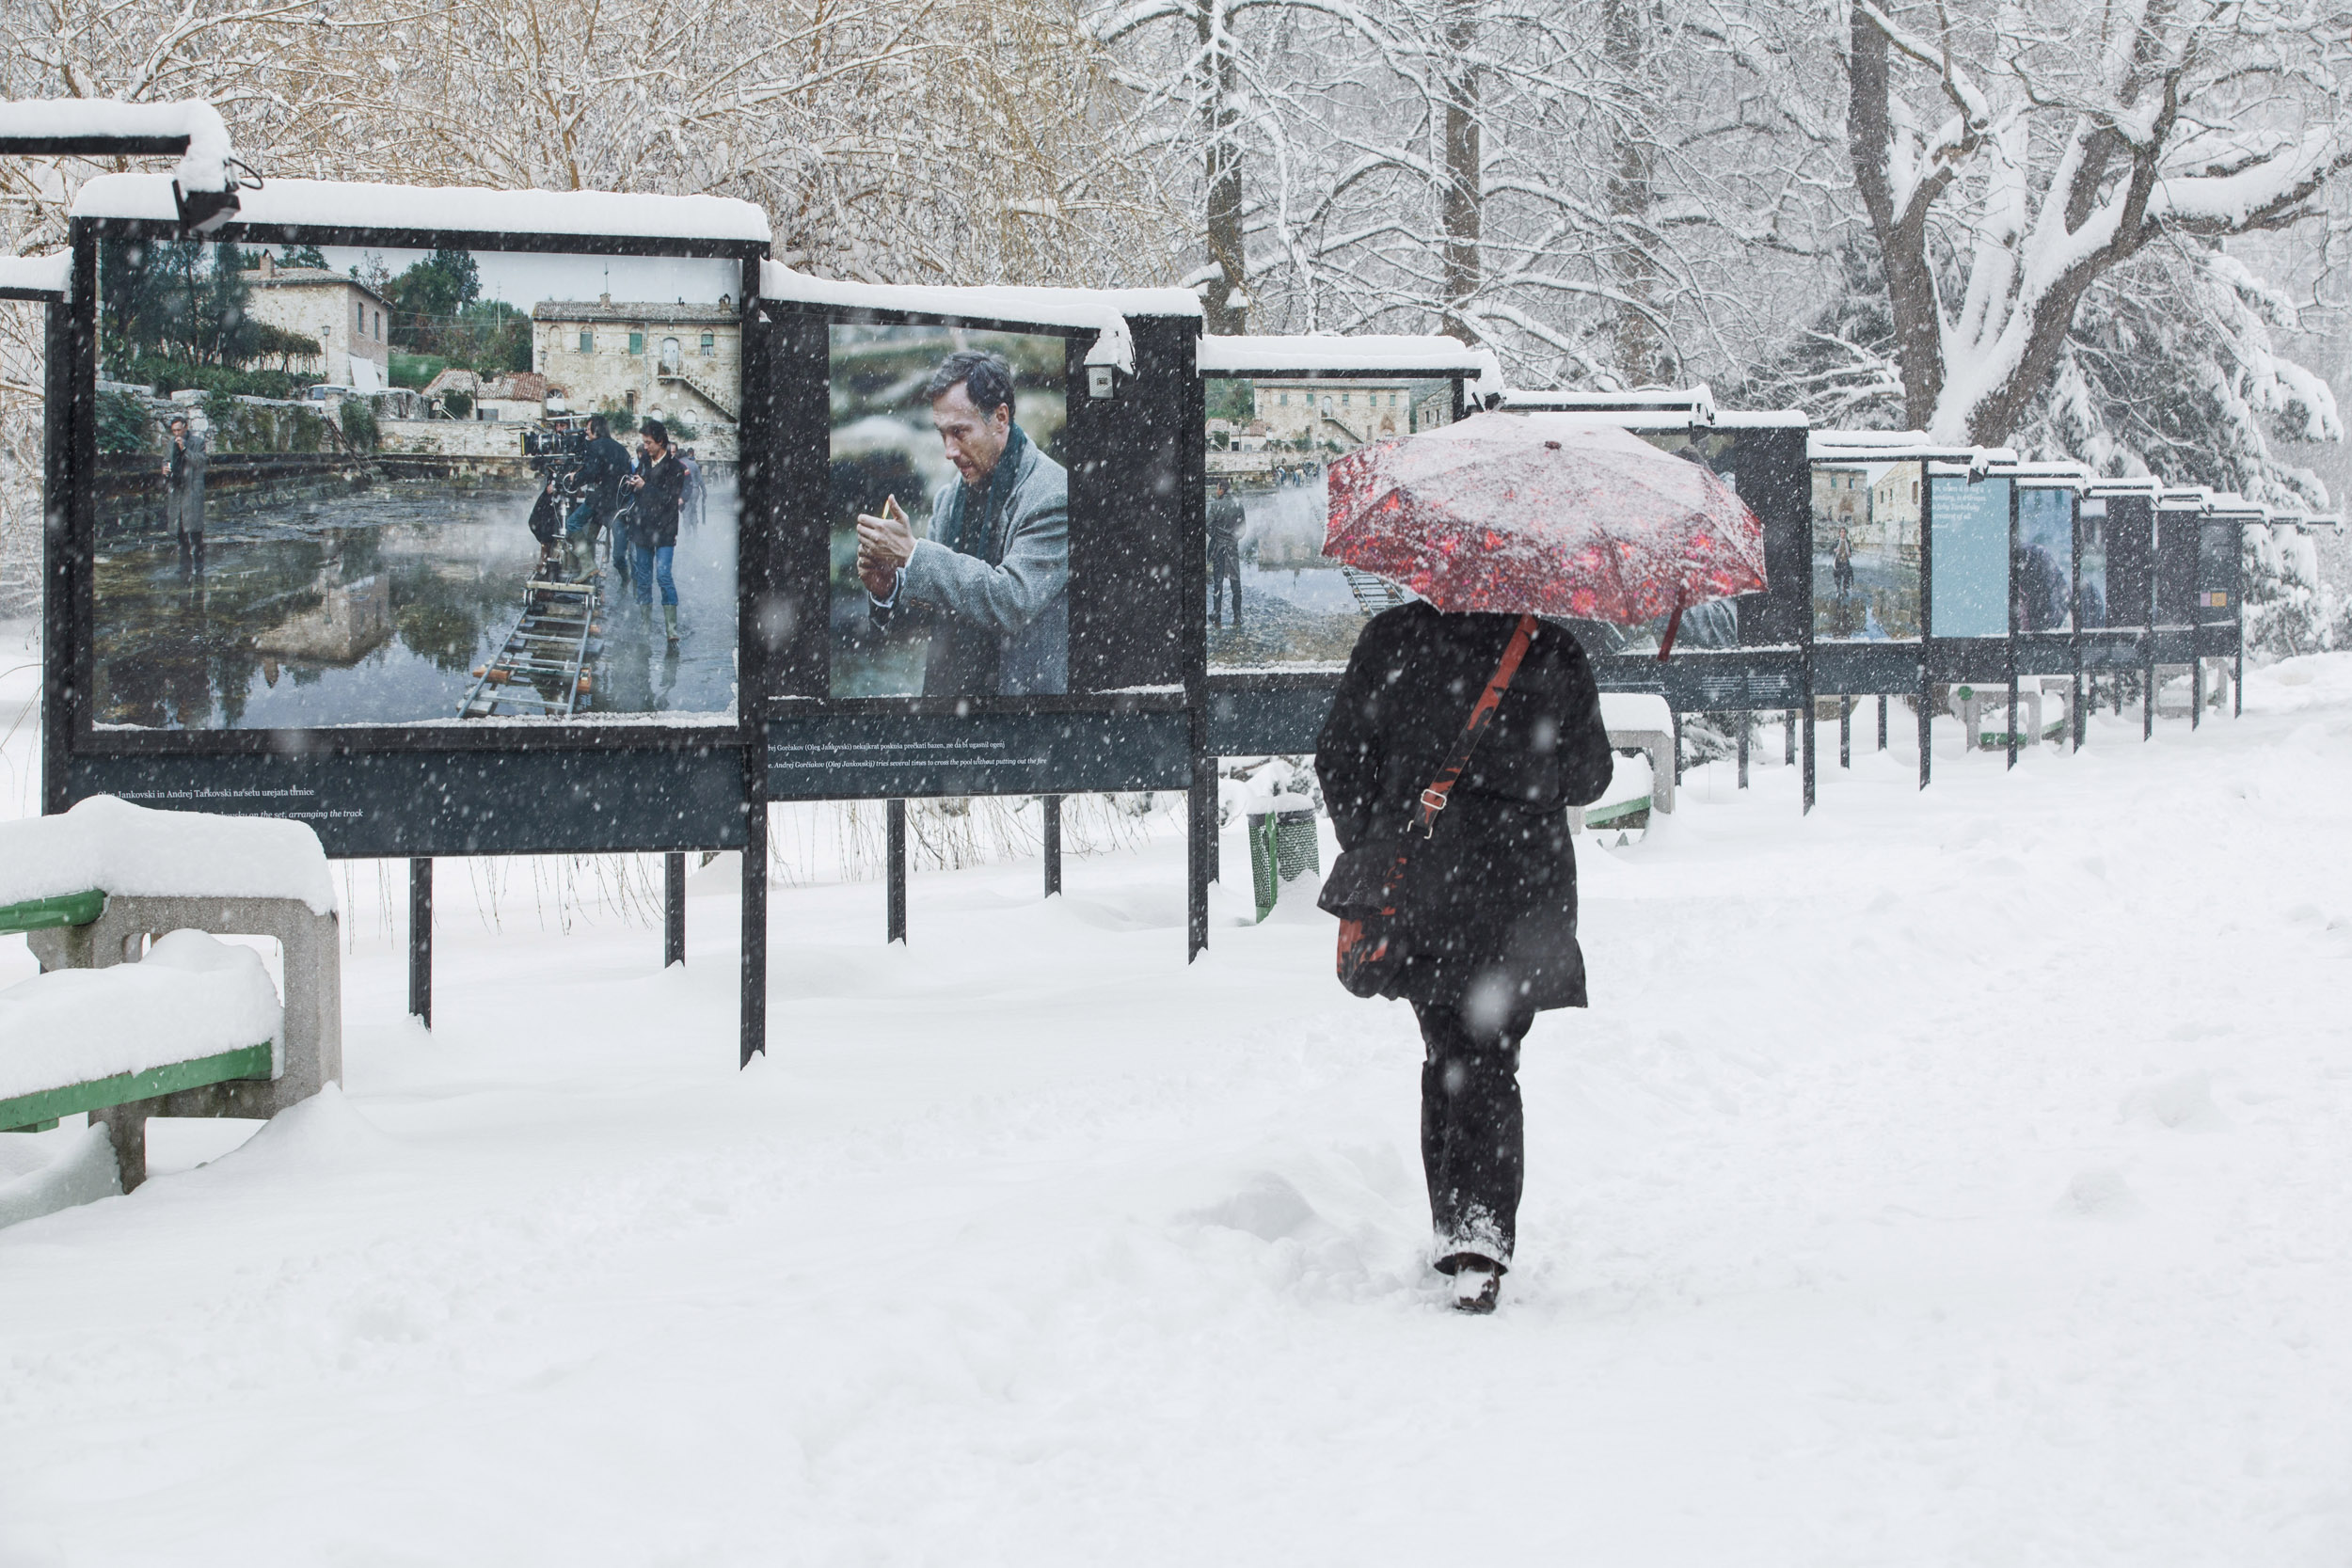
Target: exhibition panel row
x=476, y=521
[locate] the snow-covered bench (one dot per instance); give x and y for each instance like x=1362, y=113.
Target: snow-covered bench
x=1642, y=722
x=91, y=889
x=193, y=1012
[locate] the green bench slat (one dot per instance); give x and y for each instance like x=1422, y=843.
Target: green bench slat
x=1600, y=816
x=43, y=914
x=71, y=1100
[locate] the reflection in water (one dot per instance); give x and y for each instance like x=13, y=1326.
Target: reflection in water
x=373, y=609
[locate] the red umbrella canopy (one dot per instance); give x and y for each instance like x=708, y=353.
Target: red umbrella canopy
x=1543, y=514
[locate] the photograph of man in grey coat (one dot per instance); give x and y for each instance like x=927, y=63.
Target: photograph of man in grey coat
x=183, y=486
x=989, y=578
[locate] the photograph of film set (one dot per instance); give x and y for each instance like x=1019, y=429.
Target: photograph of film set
x=341, y=487
x=1865, y=550
x=949, y=510
x=1275, y=599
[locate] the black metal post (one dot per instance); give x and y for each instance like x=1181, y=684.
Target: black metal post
x=894, y=869
x=1051, y=805
x=1201, y=844
x=2013, y=702
x=673, y=909
x=420, y=941
x=1927, y=727
x=2237, y=686
x=1745, y=718
x=2011, y=645
x=2148, y=684
x=1678, y=716
x=1882, y=720
x=2196, y=685
x=753, y=1004
x=1845, y=730
x=1788, y=726
x=1812, y=740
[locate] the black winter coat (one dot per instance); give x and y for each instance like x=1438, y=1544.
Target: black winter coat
x=656, y=527
x=1489, y=908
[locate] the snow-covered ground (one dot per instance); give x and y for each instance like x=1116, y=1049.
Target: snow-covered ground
x=1949, y=1179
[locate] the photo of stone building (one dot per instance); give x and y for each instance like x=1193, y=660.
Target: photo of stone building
x=1320, y=413
x=347, y=319
x=678, y=363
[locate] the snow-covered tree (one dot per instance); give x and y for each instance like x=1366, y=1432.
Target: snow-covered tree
x=2010, y=159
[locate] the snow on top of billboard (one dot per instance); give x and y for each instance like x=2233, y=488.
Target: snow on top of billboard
x=1336, y=354
x=1083, y=308
x=48, y=277
x=446, y=209
x=202, y=166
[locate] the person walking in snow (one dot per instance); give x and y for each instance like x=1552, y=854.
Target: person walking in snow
x=1487, y=912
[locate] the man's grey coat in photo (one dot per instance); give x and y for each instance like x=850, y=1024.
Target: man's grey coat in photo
x=184, y=485
x=992, y=582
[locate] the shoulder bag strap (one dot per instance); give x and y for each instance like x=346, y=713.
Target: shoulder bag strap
x=1480, y=714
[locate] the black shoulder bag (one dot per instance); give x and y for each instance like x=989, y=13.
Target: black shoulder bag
x=1366, y=885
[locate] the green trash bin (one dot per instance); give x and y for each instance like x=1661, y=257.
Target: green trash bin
x=1282, y=845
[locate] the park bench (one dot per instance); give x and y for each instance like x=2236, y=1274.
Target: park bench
x=195, y=1012
x=109, y=884
x=1973, y=704
x=1635, y=722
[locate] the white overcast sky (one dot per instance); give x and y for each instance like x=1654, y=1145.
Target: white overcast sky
x=523, y=279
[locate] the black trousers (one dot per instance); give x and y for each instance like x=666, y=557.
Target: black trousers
x=1224, y=567
x=1473, y=1134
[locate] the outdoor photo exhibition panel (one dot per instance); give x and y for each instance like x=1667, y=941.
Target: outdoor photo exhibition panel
x=413, y=514
x=1271, y=686
x=1277, y=616
x=982, y=550
x=1731, y=655
x=2119, y=532
x=2042, y=575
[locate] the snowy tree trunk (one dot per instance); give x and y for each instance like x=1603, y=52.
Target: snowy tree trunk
x=1632, y=263
x=1225, y=305
x=1461, y=205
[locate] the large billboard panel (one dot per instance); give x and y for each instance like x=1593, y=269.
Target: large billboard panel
x=1969, y=546
x=1275, y=599
x=346, y=486
x=948, y=513
x=2092, y=589
x=2042, y=576
x=1865, y=550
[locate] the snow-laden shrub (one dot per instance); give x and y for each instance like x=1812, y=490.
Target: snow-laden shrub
x=2288, y=610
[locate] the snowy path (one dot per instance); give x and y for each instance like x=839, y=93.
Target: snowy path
x=1948, y=1180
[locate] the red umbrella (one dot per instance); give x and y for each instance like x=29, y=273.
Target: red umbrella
x=1543, y=514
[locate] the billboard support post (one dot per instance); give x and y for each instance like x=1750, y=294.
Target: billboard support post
x=1051, y=845
x=673, y=909
x=1845, y=731
x=1927, y=727
x=753, y=1004
x=1201, y=835
x=1810, y=738
x=2016, y=500
x=894, y=870
x=420, y=941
